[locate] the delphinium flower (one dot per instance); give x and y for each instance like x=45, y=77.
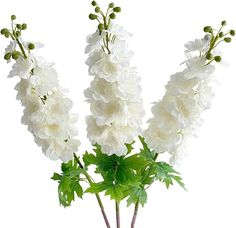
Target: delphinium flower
x=188, y=94
x=47, y=111
x=116, y=106
x=114, y=93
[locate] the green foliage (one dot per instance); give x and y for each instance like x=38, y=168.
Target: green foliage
x=166, y=174
x=129, y=176
x=137, y=194
x=69, y=183
x=120, y=173
x=145, y=152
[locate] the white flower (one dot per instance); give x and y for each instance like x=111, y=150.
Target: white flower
x=37, y=45
x=10, y=48
x=201, y=45
x=47, y=111
x=44, y=80
x=22, y=67
x=178, y=114
x=114, y=94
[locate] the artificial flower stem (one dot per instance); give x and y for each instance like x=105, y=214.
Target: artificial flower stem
x=135, y=214
x=117, y=215
x=96, y=194
x=21, y=48
x=137, y=203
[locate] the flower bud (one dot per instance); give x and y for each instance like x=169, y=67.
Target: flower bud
x=4, y=30
x=97, y=9
x=111, y=5
x=221, y=34
x=7, y=34
x=13, y=17
x=232, y=32
x=15, y=55
x=100, y=27
x=7, y=56
x=92, y=16
x=94, y=3
x=223, y=23
x=217, y=59
x=24, y=26
x=31, y=46
x=18, y=33
x=209, y=56
x=112, y=16
x=117, y=9
x=227, y=39
x=207, y=29
x=19, y=26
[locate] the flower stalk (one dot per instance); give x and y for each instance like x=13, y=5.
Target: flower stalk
x=117, y=215
x=97, y=195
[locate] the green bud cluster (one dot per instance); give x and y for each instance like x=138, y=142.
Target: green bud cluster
x=217, y=38
x=104, y=20
x=14, y=33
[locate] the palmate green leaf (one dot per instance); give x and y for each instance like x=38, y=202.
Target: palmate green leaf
x=165, y=173
x=98, y=187
x=116, y=192
x=137, y=194
x=135, y=162
x=145, y=152
x=120, y=173
x=69, y=183
x=113, y=168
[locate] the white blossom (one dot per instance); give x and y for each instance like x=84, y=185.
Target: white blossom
x=47, y=111
x=114, y=94
x=201, y=45
x=178, y=114
x=10, y=48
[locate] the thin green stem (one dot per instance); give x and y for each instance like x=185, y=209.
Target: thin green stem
x=117, y=215
x=96, y=194
x=21, y=48
x=136, y=208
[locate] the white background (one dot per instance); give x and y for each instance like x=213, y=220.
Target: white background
x=28, y=198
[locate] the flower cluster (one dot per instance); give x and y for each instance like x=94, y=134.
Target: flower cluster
x=114, y=94
x=46, y=108
x=188, y=93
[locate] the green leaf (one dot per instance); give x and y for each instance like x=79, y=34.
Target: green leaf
x=116, y=192
x=165, y=173
x=145, y=152
x=98, y=187
x=89, y=159
x=138, y=194
x=135, y=162
x=56, y=177
x=69, y=183
x=129, y=147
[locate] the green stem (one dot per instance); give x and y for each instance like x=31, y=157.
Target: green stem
x=107, y=37
x=137, y=203
x=96, y=194
x=117, y=215
x=21, y=48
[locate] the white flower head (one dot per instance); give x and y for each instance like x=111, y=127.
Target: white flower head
x=114, y=94
x=177, y=116
x=201, y=45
